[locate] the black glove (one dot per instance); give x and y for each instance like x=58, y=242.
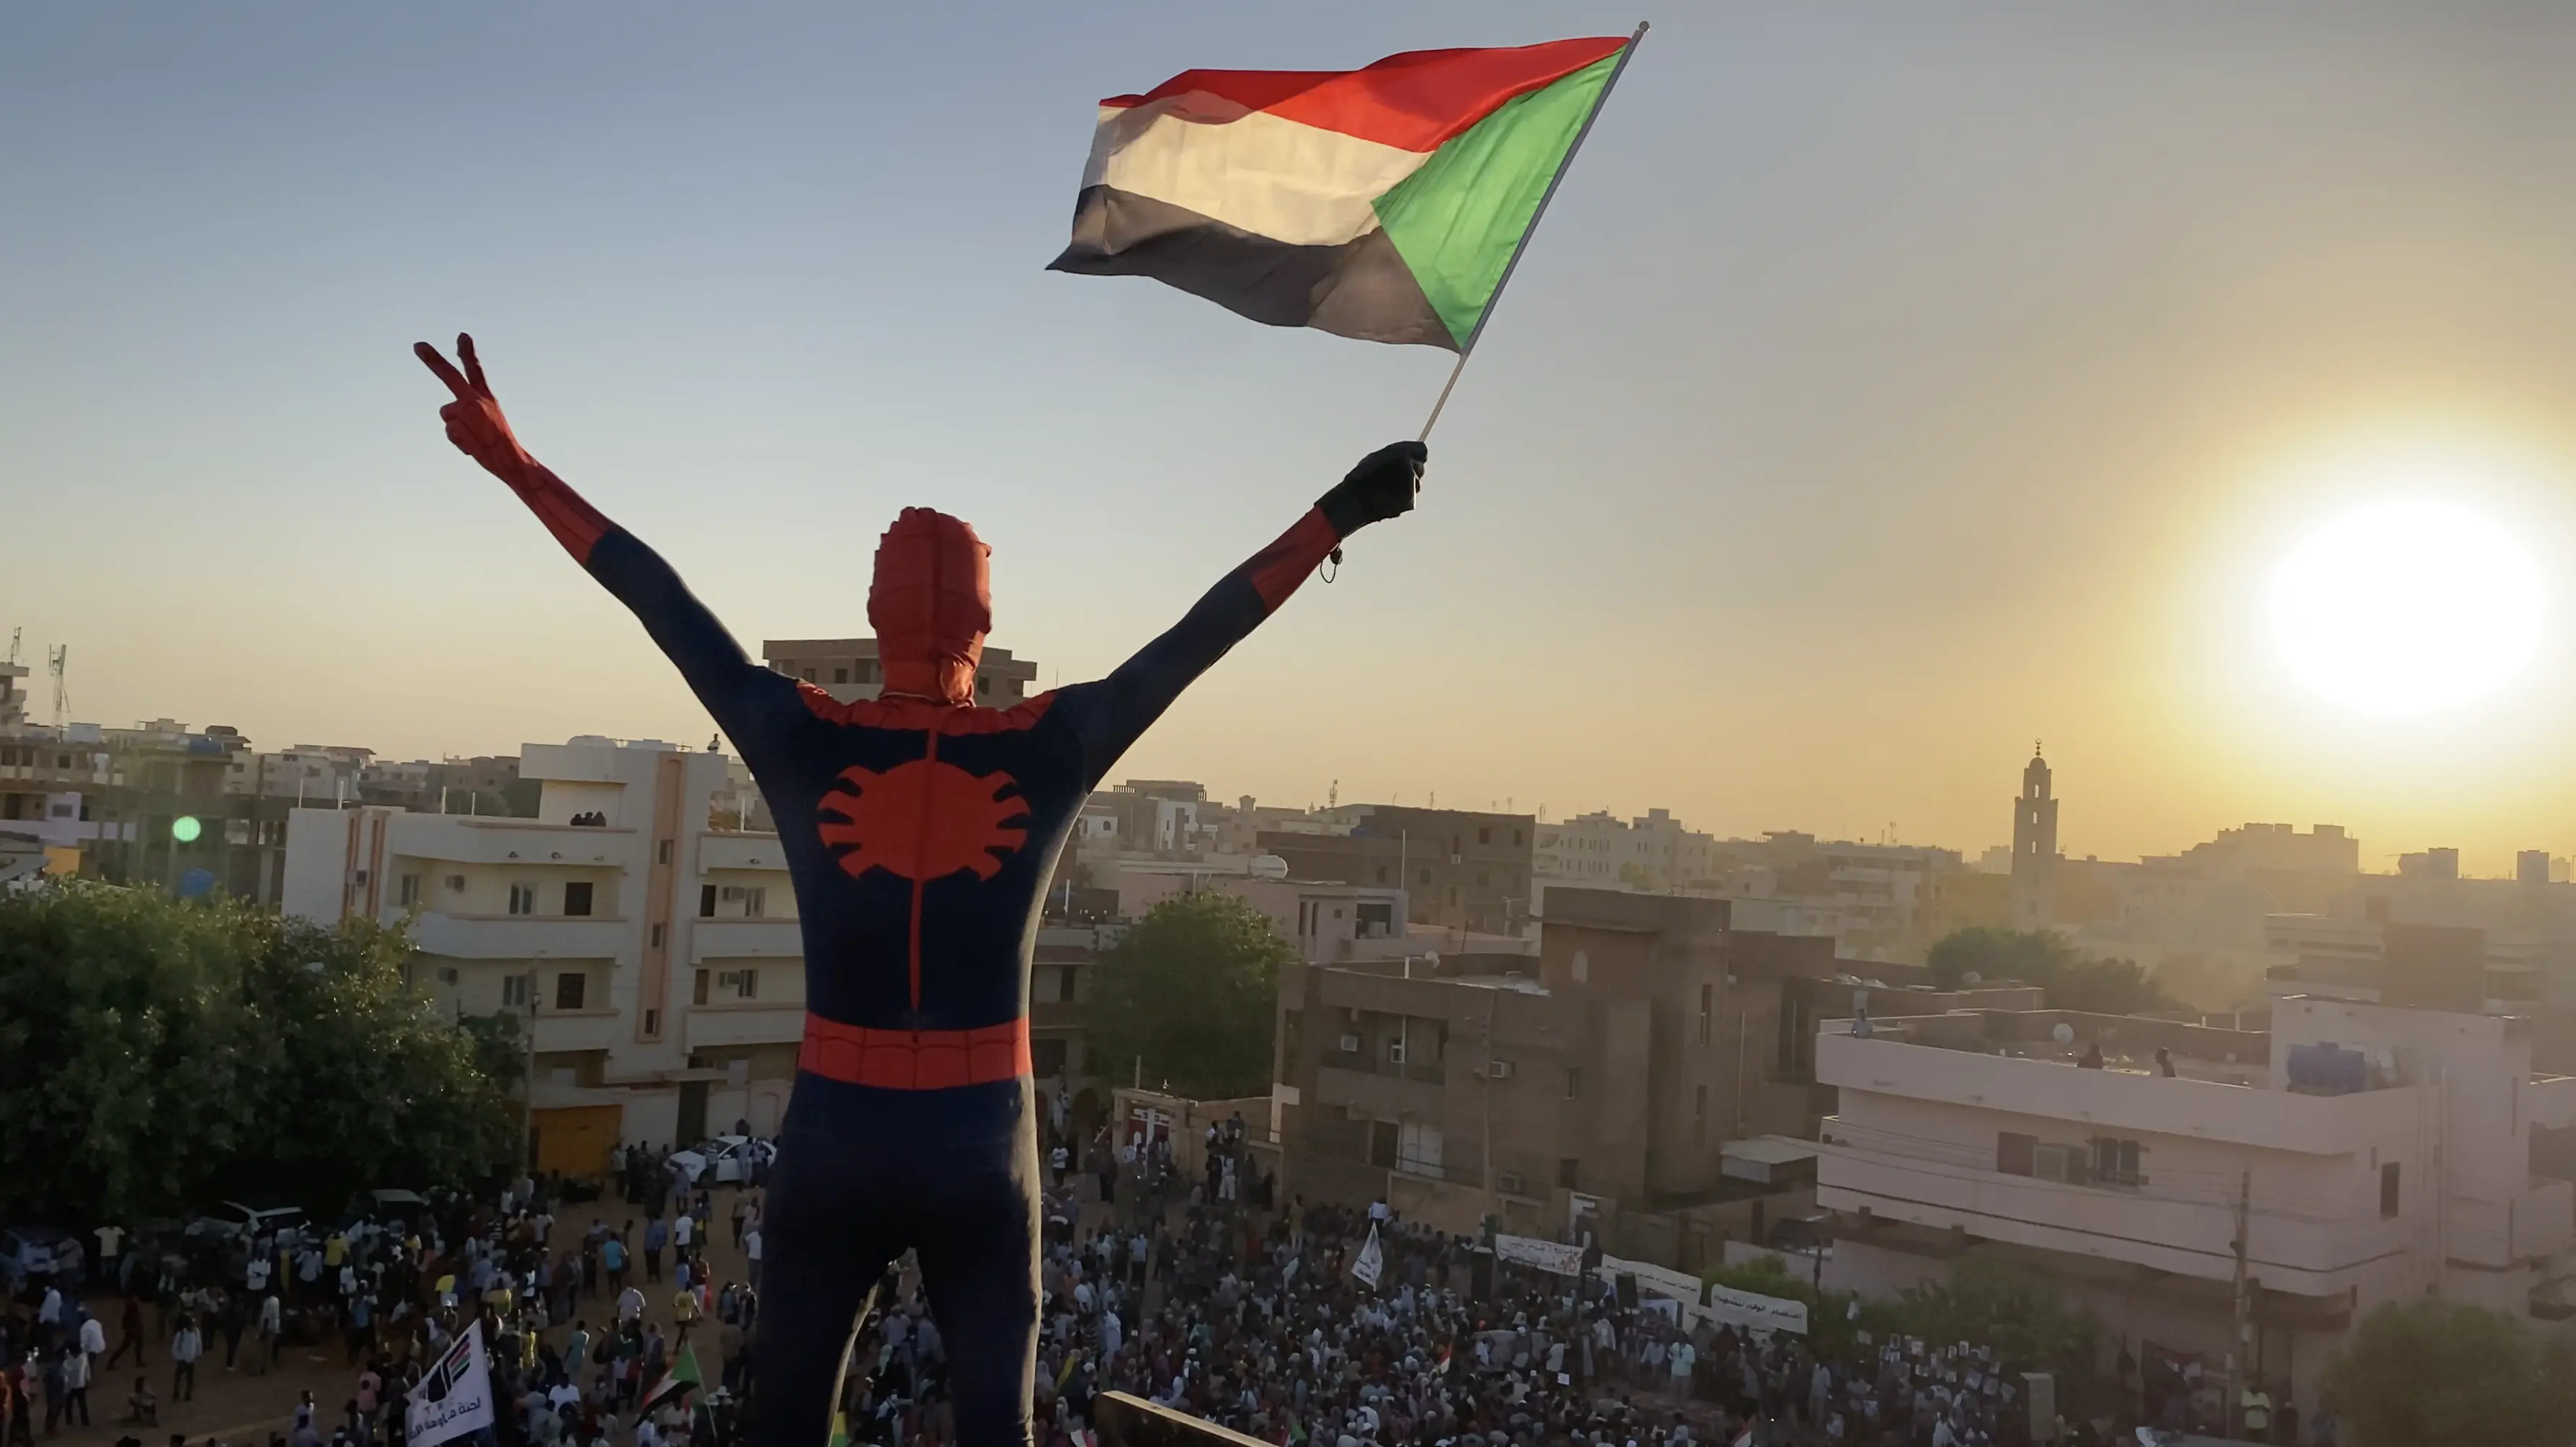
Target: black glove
x=1381, y=487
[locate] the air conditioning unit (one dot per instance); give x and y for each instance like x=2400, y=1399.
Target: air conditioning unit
x=1350, y=1045
x=2058, y=1163
x=730, y=891
x=1498, y=1070
x=1395, y=1052
x=729, y=980
x=1511, y=1183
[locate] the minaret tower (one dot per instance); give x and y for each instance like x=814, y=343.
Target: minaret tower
x=2034, y=863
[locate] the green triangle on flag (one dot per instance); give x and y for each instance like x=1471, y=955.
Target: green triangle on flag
x=681, y=1376
x=840, y=1430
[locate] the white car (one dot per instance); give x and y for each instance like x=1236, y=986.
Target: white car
x=723, y=1160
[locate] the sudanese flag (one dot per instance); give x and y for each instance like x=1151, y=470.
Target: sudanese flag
x=1384, y=203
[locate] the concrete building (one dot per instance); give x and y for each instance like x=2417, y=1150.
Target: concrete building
x=2373, y=1152
x=2034, y=857
x=656, y=955
x=1652, y=851
x=1462, y=871
x=1329, y=923
x=109, y=803
x=847, y=669
x=1606, y=1076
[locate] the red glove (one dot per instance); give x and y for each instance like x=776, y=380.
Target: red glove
x=474, y=420
x=476, y=426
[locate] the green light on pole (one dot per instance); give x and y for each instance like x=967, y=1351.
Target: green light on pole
x=185, y=828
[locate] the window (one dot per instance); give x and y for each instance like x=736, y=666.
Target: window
x=1516, y=836
x=456, y=884
x=1699, y=1112
x=523, y=898
x=698, y=991
x=657, y=936
x=577, y=897
x=1484, y=836
x=2115, y=1162
x=2388, y=1194
x=570, y=986
x=2016, y=1155
x=407, y=893
x=746, y=985
x=1568, y=1171
x=1707, y=1012
x=1046, y=1058
x=1381, y=874
x=1395, y=1051
x=662, y=852
x=1574, y=1082
x=840, y=675
x=755, y=901
x=652, y=1024
x=514, y=992
x=706, y=901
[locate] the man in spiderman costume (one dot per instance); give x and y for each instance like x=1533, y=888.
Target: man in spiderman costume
x=920, y=830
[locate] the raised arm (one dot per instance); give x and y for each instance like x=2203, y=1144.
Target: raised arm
x=1111, y=714
x=724, y=679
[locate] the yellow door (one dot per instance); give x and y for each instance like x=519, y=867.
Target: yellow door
x=574, y=1139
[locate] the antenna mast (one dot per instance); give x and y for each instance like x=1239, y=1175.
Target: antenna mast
x=54, y=661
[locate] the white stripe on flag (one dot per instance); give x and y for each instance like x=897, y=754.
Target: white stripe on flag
x=1300, y=184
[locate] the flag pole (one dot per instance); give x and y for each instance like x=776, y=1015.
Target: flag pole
x=1626, y=52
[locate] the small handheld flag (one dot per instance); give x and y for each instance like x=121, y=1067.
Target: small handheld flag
x=1389, y=203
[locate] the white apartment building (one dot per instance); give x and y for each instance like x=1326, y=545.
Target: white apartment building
x=1329, y=923
x=656, y=953
x=2376, y=1152
x=1650, y=852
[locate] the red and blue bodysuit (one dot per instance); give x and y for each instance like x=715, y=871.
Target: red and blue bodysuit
x=920, y=831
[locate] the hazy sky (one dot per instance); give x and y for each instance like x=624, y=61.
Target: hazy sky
x=1890, y=386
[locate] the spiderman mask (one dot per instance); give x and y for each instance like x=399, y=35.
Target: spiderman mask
x=931, y=604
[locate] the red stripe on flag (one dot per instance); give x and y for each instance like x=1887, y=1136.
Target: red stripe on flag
x=1413, y=101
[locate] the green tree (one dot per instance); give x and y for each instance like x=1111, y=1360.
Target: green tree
x=2011, y=1307
x=2437, y=1373
x=2044, y=958
x=155, y=1055
x=1191, y=990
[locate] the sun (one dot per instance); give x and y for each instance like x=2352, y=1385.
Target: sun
x=2407, y=608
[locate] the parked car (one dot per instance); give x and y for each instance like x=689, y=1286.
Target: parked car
x=231, y=1220
x=723, y=1160
x=32, y=1251
x=397, y=1211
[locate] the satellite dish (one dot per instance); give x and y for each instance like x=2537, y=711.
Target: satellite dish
x=1269, y=866
x=2064, y=1034
x=1972, y=978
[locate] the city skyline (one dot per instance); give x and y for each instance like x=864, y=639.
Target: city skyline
x=1817, y=462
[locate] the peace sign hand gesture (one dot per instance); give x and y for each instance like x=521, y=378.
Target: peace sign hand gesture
x=474, y=420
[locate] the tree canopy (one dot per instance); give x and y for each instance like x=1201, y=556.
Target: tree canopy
x=157, y=1055
x=2045, y=958
x=1193, y=991
x=2438, y=1373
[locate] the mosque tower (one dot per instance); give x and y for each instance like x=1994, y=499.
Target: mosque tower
x=2034, y=862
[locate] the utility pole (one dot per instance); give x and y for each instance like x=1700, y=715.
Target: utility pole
x=2239, y=1325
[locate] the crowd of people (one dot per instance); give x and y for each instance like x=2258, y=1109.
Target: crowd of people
x=563, y=1310
x=1306, y=1324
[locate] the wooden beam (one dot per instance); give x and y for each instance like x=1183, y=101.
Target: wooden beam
x=1127, y=1421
